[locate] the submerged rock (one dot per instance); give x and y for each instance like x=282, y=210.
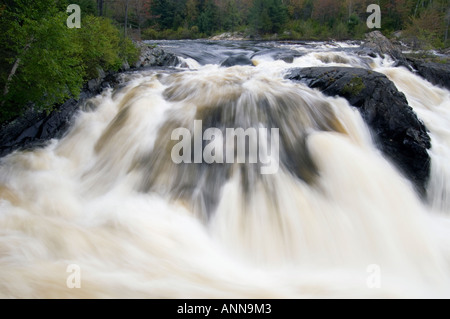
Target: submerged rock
x=398, y=132
x=285, y=55
x=237, y=60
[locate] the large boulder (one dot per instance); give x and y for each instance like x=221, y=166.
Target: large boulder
x=377, y=44
x=156, y=56
x=436, y=73
x=399, y=134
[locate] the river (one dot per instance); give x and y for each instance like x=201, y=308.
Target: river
x=105, y=212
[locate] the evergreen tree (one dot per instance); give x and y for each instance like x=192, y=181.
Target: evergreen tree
x=164, y=11
x=232, y=16
x=268, y=15
x=208, y=19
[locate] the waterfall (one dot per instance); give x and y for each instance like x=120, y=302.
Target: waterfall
x=109, y=198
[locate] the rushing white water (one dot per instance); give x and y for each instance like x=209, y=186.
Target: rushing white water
x=108, y=199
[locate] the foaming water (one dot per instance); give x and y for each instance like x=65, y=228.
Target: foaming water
x=432, y=104
x=109, y=199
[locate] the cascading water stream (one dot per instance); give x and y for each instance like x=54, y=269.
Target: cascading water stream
x=109, y=198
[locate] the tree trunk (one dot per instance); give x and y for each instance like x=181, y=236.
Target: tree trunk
x=417, y=7
x=14, y=69
x=126, y=17
x=350, y=9
x=100, y=7
x=446, y=29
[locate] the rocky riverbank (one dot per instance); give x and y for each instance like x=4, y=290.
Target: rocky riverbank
x=436, y=73
x=36, y=129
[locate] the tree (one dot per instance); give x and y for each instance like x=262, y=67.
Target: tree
x=326, y=10
x=295, y=8
x=232, y=16
x=268, y=15
x=100, y=7
x=125, y=24
x=43, y=62
x=447, y=18
x=191, y=13
x=164, y=12
x=41, y=55
x=429, y=25
x=208, y=19
x=141, y=12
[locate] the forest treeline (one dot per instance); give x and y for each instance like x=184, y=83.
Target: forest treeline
x=427, y=20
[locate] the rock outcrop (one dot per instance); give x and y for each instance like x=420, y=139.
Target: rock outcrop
x=377, y=43
x=436, y=73
x=35, y=129
x=399, y=134
x=155, y=56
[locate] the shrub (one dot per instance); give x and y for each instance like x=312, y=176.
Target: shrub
x=100, y=43
x=150, y=34
x=49, y=68
x=42, y=62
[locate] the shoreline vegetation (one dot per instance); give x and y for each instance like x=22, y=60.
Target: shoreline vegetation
x=424, y=23
x=43, y=63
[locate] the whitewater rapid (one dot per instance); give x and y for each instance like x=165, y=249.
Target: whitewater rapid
x=337, y=217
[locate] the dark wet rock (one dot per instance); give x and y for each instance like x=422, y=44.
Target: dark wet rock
x=436, y=73
x=125, y=66
x=398, y=132
x=377, y=44
x=94, y=84
x=37, y=128
x=285, y=55
x=155, y=56
x=286, y=58
x=237, y=60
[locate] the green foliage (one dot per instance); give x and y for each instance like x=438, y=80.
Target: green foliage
x=302, y=19
x=354, y=87
x=268, y=16
x=207, y=21
x=341, y=31
x=88, y=7
x=180, y=34
x=100, y=44
x=43, y=62
x=427, y=28
x=128, y=51
x=232, y=16
x=41, y=48
x=165, y=12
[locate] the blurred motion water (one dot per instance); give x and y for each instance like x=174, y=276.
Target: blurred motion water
x=108, y=198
